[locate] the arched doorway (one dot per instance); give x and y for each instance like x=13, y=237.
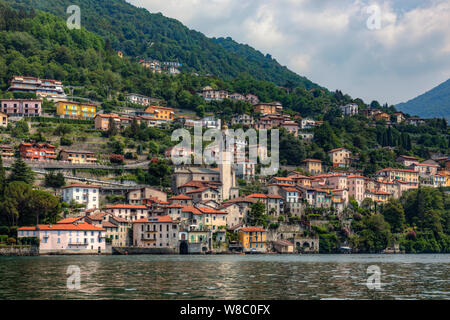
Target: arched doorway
x=184, y=247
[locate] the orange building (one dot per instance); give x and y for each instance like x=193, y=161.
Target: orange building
x=37, y=151
x=253, y=239
x=161, y=113
x=268, y=108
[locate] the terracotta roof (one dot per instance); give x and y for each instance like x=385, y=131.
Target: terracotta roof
x=70, y=219
x=126, y=206
x=158, y=219
x=65, y=226
x=180, y=197
x=312, y=160
x=201, y=190
x=291, y=189
x=401, y=170
x=107, y=224
x=257, y=195
x=211, y=211
x=78, y=185
x=252, y=229
x=97, y=217
x=118, y=219
x=191, y=209
x=283, y=178
x=334, y=150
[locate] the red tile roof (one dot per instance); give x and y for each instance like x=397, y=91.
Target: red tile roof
x=78, y=185
x=70, y=219
x=158, y=219
x=252, y=229
x=126, y=206
x=65, y=226
x=180, y=197
x=211, y=211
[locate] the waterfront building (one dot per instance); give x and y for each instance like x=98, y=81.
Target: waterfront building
x=66, y=238
x=253, y=239
x=156, y=232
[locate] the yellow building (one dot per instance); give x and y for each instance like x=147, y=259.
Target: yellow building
x=268, y=108
x=213, y=219
x=76, y=156
x=391, y=174
x=3, y=119
x=161, y=113
x=378, y=196
x=253, y=239
x=312, y=166
x=76, y=110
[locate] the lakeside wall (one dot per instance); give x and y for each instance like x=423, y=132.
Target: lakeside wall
x=19, y=251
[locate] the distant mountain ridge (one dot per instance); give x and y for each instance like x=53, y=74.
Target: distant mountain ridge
x=432, y=104
x=141, y=34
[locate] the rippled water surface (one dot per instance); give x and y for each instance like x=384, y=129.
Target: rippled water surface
x=226, y=277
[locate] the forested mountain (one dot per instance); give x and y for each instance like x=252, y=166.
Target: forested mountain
x=40, y=44
x=139, y=33
x=434, y=103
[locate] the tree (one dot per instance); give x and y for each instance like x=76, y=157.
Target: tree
x=2, y=178
x=394, y=214
x=44, y=206
x=53, y=180
x=20, y=171
x=256, y=216
x=13, y=209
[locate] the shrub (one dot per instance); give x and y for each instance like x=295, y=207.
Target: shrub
x=11, y=241
x=116, y=158
x=64, y=141
x=3, y=238
x=4, y=230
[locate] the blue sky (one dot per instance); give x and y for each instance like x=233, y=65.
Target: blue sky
x=329, y=42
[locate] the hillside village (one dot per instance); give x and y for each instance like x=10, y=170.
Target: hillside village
x=87, y=156
x=206, y=209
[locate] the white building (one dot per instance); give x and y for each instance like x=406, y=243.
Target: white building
x=349, y=109
x=83, y=194
x=307, y=123
x=138, y=99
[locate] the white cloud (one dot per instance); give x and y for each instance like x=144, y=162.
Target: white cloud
x=328, y=40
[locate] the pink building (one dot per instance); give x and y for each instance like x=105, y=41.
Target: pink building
x=73, y=237
x=21, y=107
x=356, y=187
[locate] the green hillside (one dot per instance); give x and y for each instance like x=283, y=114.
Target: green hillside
x=139, y=33
x=432, y=104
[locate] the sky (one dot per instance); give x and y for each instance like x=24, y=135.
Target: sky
x=384, y=50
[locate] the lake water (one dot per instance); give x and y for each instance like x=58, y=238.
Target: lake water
x=244, y=277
